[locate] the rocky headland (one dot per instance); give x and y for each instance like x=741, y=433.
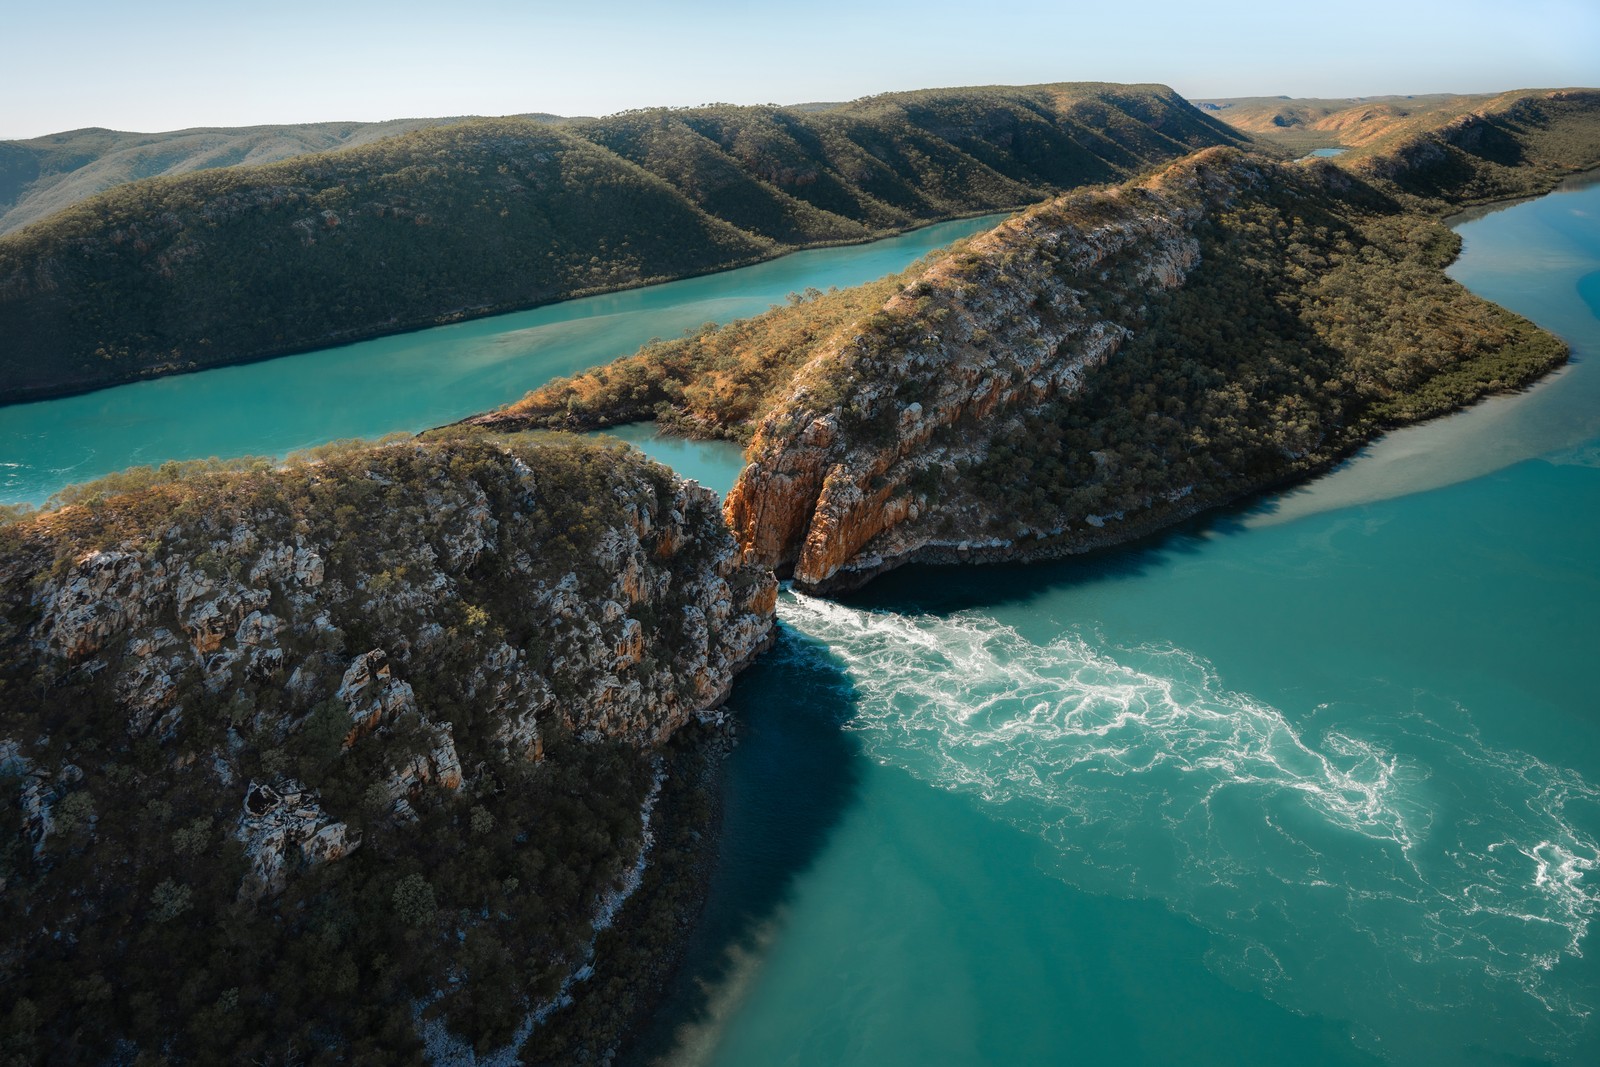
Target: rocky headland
x=369, y=742
x=1091, y=370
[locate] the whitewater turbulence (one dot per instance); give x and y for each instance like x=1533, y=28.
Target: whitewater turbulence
x=1381, y=840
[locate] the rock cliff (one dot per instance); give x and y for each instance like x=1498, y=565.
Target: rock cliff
x=1001, y=326
x=1112, y=360
x=232, y=697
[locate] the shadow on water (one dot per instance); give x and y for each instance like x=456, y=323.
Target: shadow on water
x=787, y=785
x=942, y=589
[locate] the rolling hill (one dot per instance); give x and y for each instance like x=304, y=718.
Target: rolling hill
x=244, y=262
x=42, y=175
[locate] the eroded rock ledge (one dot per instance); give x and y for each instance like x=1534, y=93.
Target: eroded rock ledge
x=1010, y=323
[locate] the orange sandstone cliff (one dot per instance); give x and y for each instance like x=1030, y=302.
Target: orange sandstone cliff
x=1022, y=315
x=1114, y=360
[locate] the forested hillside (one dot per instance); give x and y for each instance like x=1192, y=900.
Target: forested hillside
x=1430, y=156
x=42, y=175
x=1517, y=144
x=240, y=263
x=1443, y=150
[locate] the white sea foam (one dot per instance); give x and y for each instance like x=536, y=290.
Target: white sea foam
x=1393, y=842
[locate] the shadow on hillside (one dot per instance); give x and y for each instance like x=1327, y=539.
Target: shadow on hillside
x=787, y=786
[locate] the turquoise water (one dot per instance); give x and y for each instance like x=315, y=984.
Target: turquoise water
x=406, y=382
x=1314, y=781
x=711, y=463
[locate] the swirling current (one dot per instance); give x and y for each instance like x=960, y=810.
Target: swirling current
x=1314, y=843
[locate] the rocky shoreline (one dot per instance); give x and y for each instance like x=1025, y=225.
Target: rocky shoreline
x=650, y=938
x=1116, y=531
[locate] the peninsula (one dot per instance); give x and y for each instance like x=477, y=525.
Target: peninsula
x=1109, y=362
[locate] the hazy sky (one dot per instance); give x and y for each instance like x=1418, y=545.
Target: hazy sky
x=167, y=64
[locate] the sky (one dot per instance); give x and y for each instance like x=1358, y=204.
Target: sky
x=171, y=64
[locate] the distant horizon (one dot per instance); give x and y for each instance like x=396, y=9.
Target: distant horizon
x=182, y=64
x=838, y=101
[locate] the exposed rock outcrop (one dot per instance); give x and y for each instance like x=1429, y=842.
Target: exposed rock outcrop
x=1021, y=316
x=277, y=823
x=452, y=661
x=252, y=605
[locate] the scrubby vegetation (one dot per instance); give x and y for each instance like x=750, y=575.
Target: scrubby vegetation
x=1439, y=152
x=1519, y=144
x=42, y=175
x=715, y=382
x=1319, y=302
x=241, y=263
x=1363, y=287
x=481, y=787
x=1312, y=322
x=1262, y=318
x=1301, y=124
